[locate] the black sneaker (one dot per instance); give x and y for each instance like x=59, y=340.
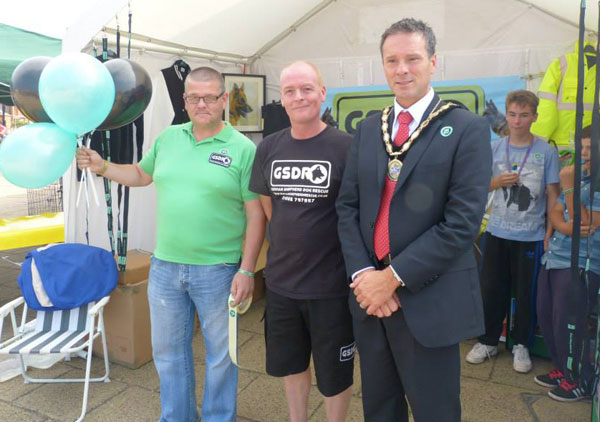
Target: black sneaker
x=567, y=391
x=551, y=379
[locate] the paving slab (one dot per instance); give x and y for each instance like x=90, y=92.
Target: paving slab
x=548, y=410
x=482, y=371
x=484, y=401
x=355, y=411
x=145, y=376
x=253, y=319
x=125, y=407
x=63, y=401
x=9, y=272
x=18, y=254
x=264, y=400
x=357, y=386
x=252, y=355
x=14, y=388
x=503, y=372
x=97, y=368
x=9, y=412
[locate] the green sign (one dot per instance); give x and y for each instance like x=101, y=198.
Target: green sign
x=349, y=108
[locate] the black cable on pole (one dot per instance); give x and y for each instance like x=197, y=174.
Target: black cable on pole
x=105, y=145
x=104, y=49
x=129, y=40
x=591, y=328
x=118, y=39
x=572, y=365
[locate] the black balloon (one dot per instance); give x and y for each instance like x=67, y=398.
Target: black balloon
x=133, y=90
x=24, y=88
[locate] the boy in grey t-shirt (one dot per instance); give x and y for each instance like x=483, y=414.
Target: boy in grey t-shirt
x=525, y=186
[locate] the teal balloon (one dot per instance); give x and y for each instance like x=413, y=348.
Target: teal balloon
x=37, y=154
x=77, y=92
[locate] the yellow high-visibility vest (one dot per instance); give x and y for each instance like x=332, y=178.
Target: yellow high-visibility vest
x=558, y=95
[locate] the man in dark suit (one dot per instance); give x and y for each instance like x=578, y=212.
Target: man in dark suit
x=409, y=211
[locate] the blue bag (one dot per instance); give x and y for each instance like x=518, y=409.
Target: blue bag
x=66, y=276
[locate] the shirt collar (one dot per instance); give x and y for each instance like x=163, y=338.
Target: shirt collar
x=417, y=109
x=223, y=135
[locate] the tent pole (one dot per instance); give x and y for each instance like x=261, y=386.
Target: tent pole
x=147, y=39
x=288, y=31
x=554, y=15
x=160, y=47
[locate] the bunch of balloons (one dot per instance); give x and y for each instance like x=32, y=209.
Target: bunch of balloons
x=67, y=96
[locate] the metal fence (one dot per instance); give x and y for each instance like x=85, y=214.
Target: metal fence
x=46, y=199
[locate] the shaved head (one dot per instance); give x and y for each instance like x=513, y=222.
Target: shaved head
x=302, y=64
x=302, y=94
x=206, y=74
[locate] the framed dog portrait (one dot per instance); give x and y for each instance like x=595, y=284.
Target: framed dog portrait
x=246, y=98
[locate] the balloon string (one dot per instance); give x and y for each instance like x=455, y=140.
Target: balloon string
x=91, y=179
x=86, y=176
x=82, y=180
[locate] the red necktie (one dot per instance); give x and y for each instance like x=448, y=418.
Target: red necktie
x=381, y=237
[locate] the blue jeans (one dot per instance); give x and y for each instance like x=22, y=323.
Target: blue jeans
x=175, y=292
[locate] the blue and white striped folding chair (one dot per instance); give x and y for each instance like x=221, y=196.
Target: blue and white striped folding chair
x=70, y=331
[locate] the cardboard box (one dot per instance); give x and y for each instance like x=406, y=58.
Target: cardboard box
x=259, y=280
x=261, y=261
x=259, y=287
x=137, y=267
x=127, y=322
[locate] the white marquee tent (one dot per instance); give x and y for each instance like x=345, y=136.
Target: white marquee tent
x=476, y=38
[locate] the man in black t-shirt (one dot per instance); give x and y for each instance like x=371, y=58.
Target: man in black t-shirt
x=297, y=172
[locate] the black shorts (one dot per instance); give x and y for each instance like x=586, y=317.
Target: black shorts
x=294, y=327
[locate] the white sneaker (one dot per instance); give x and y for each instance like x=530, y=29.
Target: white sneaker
x=481, y=352
x=521, y=360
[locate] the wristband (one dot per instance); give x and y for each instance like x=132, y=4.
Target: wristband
x=568, y=191
x=248, y=273
x=104, y=168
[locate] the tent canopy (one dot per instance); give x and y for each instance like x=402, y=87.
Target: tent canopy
x=475, y=37
x=20, y=45
x=236, y=27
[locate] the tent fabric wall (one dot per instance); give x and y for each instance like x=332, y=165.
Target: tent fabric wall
x=476, y=38
x=228, y=26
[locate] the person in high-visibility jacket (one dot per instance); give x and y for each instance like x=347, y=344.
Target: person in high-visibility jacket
x=558, y=97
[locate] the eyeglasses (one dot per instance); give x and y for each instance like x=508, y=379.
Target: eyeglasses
x=208, y=99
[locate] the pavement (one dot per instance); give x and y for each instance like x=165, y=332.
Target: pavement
x=491, y=392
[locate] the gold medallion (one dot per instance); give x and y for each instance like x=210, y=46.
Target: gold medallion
x=387, y=141
x=394, y=164
x=394, y=167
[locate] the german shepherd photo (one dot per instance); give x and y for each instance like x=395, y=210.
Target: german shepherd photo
x=238, y=104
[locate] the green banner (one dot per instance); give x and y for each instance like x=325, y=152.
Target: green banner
x=349, y=108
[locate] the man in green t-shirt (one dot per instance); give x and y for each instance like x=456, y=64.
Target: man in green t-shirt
x=201, y=171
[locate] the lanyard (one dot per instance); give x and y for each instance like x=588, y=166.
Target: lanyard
x=524, y=158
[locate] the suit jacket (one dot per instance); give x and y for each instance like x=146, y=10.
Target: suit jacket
x=435, y=214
